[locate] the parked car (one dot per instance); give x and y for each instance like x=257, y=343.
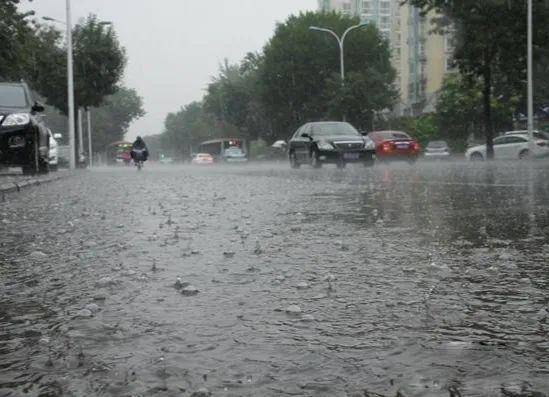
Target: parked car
x=24, y=137
x=203, y=159
x=395, y=145
x=437, y=150
x=235, y=155
x=510, y=146
x=537, y=134
x=333, y=142
x=54, y=150
x=63, y=155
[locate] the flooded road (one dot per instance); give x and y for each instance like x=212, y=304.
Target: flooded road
x=428, y=280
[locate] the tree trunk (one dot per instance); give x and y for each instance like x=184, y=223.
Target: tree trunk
x=487, y=101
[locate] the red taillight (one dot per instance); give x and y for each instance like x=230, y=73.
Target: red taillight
x=415, y=146
x=387, y=147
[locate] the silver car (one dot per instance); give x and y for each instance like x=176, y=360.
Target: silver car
x=437, y=150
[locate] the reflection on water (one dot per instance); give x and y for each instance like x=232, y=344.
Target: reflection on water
x=431, y=280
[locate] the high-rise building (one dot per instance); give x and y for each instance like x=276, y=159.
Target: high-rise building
x=420, y=57
x=376, y=11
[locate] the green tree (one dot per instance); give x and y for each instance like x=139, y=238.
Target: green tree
x=99, y=63
x=490, y=44
x=111, y=121
x=15, y=32
x=234, y=97
x=362, y=95
x=185, y=129
x=297, y=82
x=460, y=110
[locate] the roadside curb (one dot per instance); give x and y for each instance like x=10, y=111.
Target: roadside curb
x=17, y=186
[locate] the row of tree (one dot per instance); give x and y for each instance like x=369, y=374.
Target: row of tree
x=491, y=54
x=295, y=78
x=36, y=53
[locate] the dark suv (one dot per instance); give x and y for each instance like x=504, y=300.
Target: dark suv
x=24, y=139
x=330, y=142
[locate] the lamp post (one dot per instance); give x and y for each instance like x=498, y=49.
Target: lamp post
x=70, y=91
x=70, y=84
x=341, y=42
x=530, y=78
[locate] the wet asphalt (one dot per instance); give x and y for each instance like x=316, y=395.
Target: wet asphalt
x=258, y=280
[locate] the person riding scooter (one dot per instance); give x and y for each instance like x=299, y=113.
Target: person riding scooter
x=139, y=150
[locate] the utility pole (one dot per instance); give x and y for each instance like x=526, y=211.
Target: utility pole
x=530, y=78
x=80, y=135
x=90, y=148
x=70, y=85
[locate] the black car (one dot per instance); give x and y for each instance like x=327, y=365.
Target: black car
x=24, y=139
x=330, y=142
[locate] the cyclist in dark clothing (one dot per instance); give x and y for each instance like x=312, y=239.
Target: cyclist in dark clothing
x=140, y=146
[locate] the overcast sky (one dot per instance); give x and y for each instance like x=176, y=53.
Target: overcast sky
x=174, y=47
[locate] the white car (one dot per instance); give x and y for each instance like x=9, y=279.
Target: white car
x=510, y=146
x=54, y=152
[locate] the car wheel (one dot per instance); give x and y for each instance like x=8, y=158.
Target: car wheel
x=477, y=157
x=43, y=167
x=315, y=161
x=524, y=155
x=293, y=161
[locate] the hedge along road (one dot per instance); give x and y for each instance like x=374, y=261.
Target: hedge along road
x=260, y=280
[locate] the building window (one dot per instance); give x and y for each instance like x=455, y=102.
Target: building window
x=385, y=7
x=385, y=23
x=367, y=7
x=346, y=7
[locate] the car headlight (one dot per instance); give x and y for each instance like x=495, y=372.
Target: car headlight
x=16, y=119
x=369, y=144
x=325, y=146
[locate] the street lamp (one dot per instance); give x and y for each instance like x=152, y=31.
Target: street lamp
x=70, y=85
x=341, y=42
x=530, y=78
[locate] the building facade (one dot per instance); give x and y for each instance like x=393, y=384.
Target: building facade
x=420, y=57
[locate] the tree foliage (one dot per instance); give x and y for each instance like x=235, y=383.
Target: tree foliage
x=460, y=110
x=490, y=37
x=185, y=129
x=233, y=97
x=99, y=63
x=15, y=33
x=299, y=67
x=111, y=121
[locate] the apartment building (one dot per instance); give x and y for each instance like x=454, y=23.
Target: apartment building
x=375, y=11
x=420, y=57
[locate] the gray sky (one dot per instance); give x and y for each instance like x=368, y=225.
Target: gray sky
x=174, y=47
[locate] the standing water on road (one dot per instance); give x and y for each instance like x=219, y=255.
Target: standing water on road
x=260, y=281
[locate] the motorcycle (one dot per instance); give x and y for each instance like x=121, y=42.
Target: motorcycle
x=139, y=157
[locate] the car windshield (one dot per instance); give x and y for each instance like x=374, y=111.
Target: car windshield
x=13, y=96
x=328, y=129
x=392, y=135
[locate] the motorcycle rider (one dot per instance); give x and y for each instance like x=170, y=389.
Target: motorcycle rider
x=141, y=146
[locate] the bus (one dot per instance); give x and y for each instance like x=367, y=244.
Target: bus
x=119, y=152
x=218, y=147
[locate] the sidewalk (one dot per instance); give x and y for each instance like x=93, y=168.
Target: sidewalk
x=14, y=182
